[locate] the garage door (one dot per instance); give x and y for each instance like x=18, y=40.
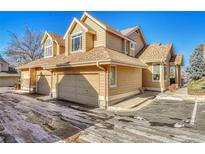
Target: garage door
x=81, y=88
x=43, y=84
x=8, y=81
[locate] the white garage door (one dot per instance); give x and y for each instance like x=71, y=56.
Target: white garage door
x=8, y=82
x=43, y=84
x=81, y=88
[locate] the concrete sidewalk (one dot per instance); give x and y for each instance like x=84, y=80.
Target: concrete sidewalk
x=180, y=95
x=134, y=103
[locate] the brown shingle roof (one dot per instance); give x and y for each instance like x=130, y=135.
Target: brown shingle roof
x=154, y=52
x=177, y=59
x=109, y=28
x=128, y=30
x=58, y=38
x=92, y=56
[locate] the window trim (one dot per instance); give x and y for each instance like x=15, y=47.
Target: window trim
x=153, y=72
x=114, y=85
x=131, y=46
x=76, y=51
x=50, y=46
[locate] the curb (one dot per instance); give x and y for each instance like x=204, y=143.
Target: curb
x=181, y=98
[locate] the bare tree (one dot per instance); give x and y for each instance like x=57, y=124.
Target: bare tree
x=21, y=50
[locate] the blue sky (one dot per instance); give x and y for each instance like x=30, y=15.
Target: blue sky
x=184, y=29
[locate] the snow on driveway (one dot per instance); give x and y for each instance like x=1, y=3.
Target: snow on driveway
x=25, y=119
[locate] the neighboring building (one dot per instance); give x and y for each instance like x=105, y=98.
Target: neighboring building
x=8, y=78
x=95, y=64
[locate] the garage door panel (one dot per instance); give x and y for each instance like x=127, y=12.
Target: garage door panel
x=67, y=90
x=8, y=81
x=87, y=100
x=44, y=84
x=81, y=88
x=86, y=92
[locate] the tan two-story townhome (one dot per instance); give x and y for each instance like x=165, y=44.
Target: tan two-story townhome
x=96, y=65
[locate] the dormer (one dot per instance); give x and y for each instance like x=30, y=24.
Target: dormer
x=52, y=45
x=137, y=41
x=79, y=37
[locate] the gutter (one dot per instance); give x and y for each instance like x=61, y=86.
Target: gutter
x=100, y=67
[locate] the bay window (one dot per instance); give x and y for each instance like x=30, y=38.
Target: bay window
x=156, y=72
x=77, y=42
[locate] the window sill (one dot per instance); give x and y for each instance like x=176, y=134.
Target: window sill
x=113, y=86
x=155, y=80
x=77, y=51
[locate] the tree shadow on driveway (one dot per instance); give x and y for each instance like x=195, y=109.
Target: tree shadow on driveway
x=25, y=119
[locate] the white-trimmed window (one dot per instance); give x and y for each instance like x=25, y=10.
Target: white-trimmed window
x=76, y=42
x=113, y=76
x=48, y=48
x=155, y=72
x=132, y=46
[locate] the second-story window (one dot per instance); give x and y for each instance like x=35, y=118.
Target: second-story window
x=48, y=48
x=77, y=42
x=132, y=46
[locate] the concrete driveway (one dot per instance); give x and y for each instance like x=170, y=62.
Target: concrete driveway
x=25, y=119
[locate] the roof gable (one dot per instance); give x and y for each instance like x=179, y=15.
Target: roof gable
x=129, y=30
x=46, y=34
x=76, y=21
x=105, y=26
x=155, y=53
x=97, y=21
x=54, y=37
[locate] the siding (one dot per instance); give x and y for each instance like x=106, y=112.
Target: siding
x=25, y=79
x=114, y=42
x=128, y=79
x=99, y=39
x=4, y=66
x=147, y=78
x=62, y=50
x=67, y=44
x=77, y=29
x=138, y=46
x=54, y=49
x=42, y=72
x=89, y=41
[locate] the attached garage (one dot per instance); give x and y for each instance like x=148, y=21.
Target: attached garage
x=43, y=84
x=80, y=88
x=8, y=81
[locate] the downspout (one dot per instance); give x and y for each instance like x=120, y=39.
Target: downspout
x=105, y=98
x=51, y=90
